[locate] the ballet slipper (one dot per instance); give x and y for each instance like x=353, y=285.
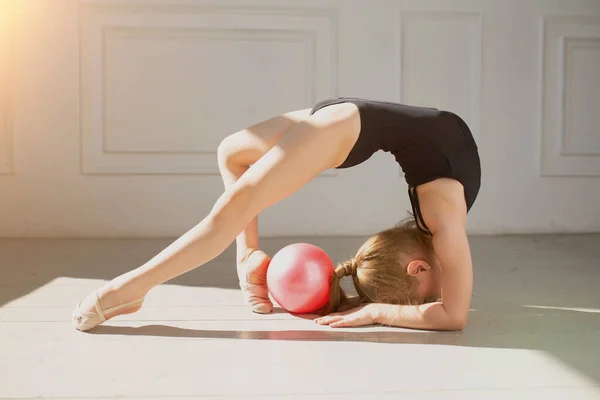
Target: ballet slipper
x=257, y=297
x=86, y=320
x=256, y=293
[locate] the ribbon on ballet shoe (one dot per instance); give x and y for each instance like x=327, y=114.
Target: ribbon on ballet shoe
x=86, y=320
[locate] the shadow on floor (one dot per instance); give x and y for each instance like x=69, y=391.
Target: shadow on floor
x=509, y=271
x=571, y=337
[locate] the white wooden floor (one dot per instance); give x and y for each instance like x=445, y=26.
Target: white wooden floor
x=534, y=331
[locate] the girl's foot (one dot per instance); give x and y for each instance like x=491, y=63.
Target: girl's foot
x=252, y=272
x=103, y=305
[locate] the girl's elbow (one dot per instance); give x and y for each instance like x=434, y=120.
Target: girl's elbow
x=458, y=324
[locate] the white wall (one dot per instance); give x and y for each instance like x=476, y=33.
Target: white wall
x=111, y=111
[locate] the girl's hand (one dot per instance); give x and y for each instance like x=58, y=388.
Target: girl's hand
x=359, y=316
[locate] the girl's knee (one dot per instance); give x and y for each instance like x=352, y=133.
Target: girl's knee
x=228, y=152
x=225, y=149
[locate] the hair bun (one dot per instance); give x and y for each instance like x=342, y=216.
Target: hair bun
x=346, y=269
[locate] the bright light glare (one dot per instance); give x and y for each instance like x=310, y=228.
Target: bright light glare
x=578, y=309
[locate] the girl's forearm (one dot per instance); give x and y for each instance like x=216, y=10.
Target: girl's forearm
x=430, y=316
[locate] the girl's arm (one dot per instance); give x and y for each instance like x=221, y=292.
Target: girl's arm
x=451, y=247
x=451, y=313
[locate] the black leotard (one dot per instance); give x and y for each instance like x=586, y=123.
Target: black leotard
x=427, y=143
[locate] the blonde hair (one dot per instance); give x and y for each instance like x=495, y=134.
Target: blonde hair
x=378, y=269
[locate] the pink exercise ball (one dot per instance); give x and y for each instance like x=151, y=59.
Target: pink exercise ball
x=298, y=277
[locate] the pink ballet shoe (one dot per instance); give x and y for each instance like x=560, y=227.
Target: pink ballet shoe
x=257, y=297
x=256, y=294
x=86, y=320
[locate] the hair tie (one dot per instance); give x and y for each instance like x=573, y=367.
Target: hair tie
x=349, y=268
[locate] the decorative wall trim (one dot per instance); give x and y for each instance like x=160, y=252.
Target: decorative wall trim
x=103, y=21
x=569, y=47
x=561, y=36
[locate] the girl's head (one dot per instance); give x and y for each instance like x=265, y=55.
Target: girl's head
x=396, y=266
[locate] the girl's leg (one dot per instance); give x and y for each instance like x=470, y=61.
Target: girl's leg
x=236, y=153
x=317, y=143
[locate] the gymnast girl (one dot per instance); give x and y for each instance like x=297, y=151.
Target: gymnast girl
x=417, y=274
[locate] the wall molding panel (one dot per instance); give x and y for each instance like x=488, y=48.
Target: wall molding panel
x=570, y=144
x=573, y=51
x=132, y=56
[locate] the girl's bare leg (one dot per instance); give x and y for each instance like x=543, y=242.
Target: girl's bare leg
x=236, y=153
x=317, y=143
